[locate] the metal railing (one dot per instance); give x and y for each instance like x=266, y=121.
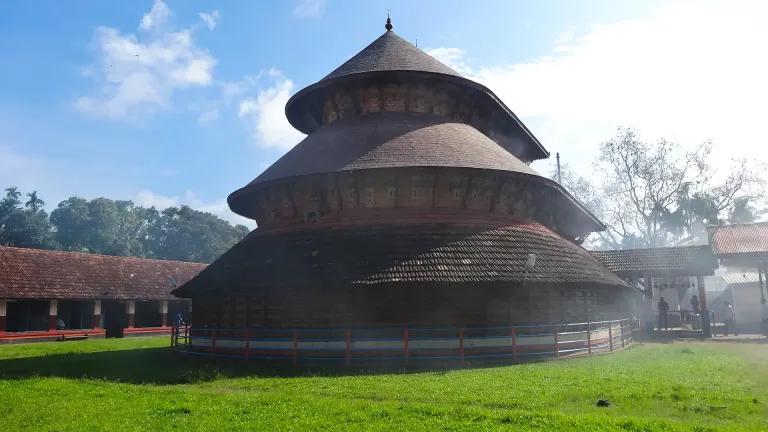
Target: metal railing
x=406, y=345
x=680, y=320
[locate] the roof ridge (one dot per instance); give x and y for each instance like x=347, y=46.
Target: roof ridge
x=118, y=257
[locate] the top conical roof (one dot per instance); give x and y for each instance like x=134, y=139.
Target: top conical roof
x=390, y=52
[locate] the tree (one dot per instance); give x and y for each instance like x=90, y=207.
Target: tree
x=121, y=228
x=185, y=234
x=24, y=226
x=657, y=194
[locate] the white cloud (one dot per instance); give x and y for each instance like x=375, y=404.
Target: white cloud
x=309, y=8
x=147, y=198
x=264, y=115
x=157, y=17
x=207, y=117
x=211, y=19
x=689, y=71
x=453, y=57
x=137, y=74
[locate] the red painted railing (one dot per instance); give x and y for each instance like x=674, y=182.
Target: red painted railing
x=467, y=344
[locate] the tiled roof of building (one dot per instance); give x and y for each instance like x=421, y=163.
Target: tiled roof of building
x=740, y=277
x=390, y=52
x=388, y=140
x=681, y=261
x=739, y=239
x=382, y=254
x=35, y=273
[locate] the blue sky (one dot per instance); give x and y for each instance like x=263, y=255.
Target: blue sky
x=181, y=102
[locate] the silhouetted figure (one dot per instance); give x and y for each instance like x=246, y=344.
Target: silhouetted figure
x=730, y=320
x=663, y=314
x=695, y=304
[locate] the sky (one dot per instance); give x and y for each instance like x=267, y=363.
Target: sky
x=182, y=102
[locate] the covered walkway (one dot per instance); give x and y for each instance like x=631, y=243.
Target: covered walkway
x=50, y=295
x=675, y=274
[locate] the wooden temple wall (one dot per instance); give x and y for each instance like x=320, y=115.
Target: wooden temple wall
x=363, y=307
x=348, y=196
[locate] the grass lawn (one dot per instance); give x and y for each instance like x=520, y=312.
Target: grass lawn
x=138, y=384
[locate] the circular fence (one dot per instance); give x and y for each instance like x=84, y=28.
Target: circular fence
x=408, y=345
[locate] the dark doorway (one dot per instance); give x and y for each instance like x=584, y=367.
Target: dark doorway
x=115, y=318
x=27, y=315
x=76, y=314
x=147, y=314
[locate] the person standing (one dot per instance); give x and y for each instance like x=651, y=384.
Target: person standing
x=730, y=319
x=695, y=304
x=663, y=314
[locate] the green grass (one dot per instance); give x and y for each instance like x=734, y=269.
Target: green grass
x=138, y=384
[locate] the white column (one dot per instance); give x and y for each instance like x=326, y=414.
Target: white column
x=53, y=312
x=130, y=310
x=96, y=314
x=3, y=312
x=163, y=311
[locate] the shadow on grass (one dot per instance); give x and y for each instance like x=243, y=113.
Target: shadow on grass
x=165, y=366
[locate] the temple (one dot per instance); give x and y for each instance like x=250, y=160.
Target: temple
x=410, y=204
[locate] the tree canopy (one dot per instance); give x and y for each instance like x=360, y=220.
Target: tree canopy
x=656, y=194
x=114, y=227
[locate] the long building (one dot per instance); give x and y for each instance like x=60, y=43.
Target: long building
x=47, y=295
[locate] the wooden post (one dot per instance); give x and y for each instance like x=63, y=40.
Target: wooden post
x=706, y=326
x=213, y=340
x=53, y=314
x=621, y=332
x=610, y=335
x=247, y=342
x=348, y=349
x=406, y=353
x=295, y=347
x=589, y=338
x=760, y=278
x=514, y=343
x=557, y=343
x=461, y=345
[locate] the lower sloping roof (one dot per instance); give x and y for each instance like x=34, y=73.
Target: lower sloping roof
x=45, y=274
x=387, y=254
x=671, y=261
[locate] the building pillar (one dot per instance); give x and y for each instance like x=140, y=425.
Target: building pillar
x=648, y=303
x=706, y=325
x=163, y=310
x=53, y=314
x=3, y=313
x=96, y=324
x=130, y=311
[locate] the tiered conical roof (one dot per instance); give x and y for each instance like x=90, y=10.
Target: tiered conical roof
x=390, y=52
x=390, y=55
